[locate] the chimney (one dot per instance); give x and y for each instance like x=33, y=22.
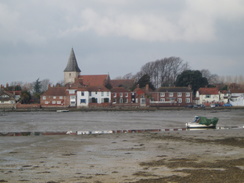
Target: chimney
x=147, y=87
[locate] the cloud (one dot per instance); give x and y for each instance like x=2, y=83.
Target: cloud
x=194, y=22
x=158, y=21
x=147, y=26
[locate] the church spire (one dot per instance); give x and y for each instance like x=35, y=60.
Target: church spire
x=72, y=65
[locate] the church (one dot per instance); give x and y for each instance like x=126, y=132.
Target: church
x=83, y=90
x=99, y=91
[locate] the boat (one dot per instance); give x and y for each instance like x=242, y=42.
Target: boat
x=202, y=122
x=62, y=110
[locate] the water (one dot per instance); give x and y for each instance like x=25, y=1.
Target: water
x=119, y=120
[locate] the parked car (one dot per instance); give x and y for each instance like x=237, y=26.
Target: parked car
x=189, y=106
x=199, y=106
x=227, y=105
x=213, y=105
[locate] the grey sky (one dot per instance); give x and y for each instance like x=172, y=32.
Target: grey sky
x=118, y=36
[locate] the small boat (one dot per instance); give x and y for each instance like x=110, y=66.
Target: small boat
x=62, y=110
x=202, y=122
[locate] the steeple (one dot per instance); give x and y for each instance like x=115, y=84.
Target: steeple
x=72, y=70
x=72, y=65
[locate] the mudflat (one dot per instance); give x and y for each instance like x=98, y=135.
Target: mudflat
x=178, y=156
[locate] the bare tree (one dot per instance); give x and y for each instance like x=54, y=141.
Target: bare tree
x=212, y=78
x=44, y=84
x=163, y=72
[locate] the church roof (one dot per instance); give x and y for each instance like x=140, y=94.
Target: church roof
x=72, y=65
x=94, y=80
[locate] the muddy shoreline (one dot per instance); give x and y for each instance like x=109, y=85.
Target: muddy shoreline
x=189, y=156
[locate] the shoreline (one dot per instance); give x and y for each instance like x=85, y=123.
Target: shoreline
x=117, y=109
x=189, y=156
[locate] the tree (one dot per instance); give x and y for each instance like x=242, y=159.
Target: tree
x=25, y=97
x=37, y=91
x=163, y=72
x=44, y=84
x=144, y=80
x=212, y=78
x=191, y=78
x=37, y=86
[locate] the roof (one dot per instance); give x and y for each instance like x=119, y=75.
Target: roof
x=208, y=91
x=96, y=88
x=139, y=91
x=174, y=89
x=55, y=91
x=237, y=91
x=6, y=96
x=72, y=65
x=119, y=89
x=94, y=80
x=128, y=83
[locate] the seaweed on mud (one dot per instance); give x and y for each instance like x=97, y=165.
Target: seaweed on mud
x=230, y=141
x=218, y=172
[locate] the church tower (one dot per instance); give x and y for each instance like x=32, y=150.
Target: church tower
x=72, y=69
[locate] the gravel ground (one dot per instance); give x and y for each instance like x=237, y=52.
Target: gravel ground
x=183, y=156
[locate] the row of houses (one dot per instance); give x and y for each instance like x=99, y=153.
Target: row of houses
x=100, y=91
x=208, y=96
x=91, y=96
x=118, y=96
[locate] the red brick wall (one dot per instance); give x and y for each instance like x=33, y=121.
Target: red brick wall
x=22, y=106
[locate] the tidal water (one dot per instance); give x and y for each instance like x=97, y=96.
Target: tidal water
x=119, y=120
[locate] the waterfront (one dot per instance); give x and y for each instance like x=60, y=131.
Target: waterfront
x=177, y=156
x=111, y=120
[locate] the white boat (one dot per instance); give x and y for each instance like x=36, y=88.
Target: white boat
x=202, y=122
x=62, y=110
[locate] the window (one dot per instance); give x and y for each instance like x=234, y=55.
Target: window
x=162, y=100
x=121, y=94
x=71, y=91
x=208, y=96
x=106, y=100
x=188, y=94
x=188, y=100
x=90, y=93
x=60, y=97
x=114, y=94
x=162, y=94
x=54, y=97
x=82, y=101
x=102, y=94
x=59, y=102
x=171, y=94
x=94, y=100
x=179, y=100
x=44, y=97
x=126, y=94
x=53, y=102
x=107, y=93
x=82, y=94
x=46, y=102
x=179, y=94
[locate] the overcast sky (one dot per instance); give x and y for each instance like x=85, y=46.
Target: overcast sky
x=118, y=36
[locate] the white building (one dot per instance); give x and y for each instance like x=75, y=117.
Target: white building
x=237, y=98
x=207, y=96
x=93, y=96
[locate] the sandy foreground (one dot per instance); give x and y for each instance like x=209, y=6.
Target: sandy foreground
x=182, y=156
